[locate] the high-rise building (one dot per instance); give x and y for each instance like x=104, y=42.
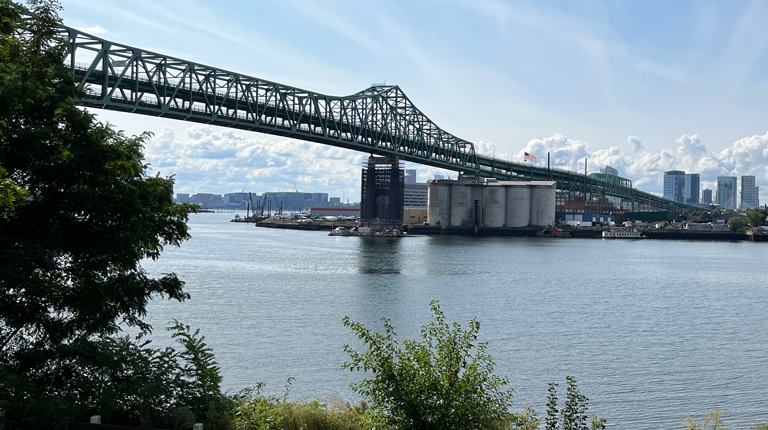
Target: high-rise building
x=726, y=192
x=692, y=187
x=750, y=194
x=410, y=176
x=674, y=185
x=706, y=196
x=610, y=171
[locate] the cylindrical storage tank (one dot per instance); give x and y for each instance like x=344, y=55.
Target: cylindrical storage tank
x=461, y=205
x=543, y=205
x=518, y=205
x=494, y=206
x=439, y=203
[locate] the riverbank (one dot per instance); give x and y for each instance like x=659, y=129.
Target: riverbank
x=311, y=225
x=479, y=231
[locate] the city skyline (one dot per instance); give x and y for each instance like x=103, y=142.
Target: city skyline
x=649, y=87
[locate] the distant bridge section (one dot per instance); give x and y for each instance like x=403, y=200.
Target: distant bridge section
x=379, y=120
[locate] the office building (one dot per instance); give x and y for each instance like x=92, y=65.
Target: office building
x=410, y=176
x=750, y=194
x=706, y=196
x=610, y=171
x=692, y=187
x=415, y=196
x=674, y=185
x=726, y=192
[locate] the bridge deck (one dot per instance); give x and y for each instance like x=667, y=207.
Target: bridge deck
x=379, y=120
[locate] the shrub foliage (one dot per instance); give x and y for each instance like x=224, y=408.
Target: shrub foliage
x=445, y=380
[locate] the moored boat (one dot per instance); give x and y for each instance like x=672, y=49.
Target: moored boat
x=622, y=234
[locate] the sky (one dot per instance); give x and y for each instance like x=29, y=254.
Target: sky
x=644, y=86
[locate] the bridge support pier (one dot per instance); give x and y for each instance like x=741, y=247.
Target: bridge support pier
x=382, y=195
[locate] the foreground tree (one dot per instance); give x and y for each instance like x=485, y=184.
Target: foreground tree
x=70, y=251
x=78, y=213
x=443, y=381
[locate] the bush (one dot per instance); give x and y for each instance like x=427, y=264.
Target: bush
x=573, y=416
x=443, y=381
x=124, y=380
x=710, y=421
x=255, y=411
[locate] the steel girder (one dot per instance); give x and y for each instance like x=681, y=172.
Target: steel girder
x=379, y=120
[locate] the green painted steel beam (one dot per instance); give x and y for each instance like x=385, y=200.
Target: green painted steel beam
x=379, y=120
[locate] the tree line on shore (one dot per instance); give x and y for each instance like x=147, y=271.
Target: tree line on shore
x=78, y=213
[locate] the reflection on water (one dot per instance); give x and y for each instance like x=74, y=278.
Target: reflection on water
x=378, y=255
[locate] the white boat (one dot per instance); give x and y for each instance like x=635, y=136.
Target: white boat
x=613, y=234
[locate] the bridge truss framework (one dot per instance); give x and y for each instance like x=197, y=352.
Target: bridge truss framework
x=379, y=120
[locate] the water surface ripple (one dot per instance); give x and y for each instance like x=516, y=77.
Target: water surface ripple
x=652, y=330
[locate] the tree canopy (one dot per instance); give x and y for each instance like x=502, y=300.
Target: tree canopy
x=756, y=217
x=78, y=212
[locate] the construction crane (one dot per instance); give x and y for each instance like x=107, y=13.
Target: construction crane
x=294, y=186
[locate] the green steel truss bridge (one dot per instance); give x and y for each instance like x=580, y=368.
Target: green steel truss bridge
x=379, y=120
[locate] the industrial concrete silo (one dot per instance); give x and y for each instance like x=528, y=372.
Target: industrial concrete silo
x=543, y=203
x=439, y=203
x=518, y=204
x=494, y=205
x=461, y=204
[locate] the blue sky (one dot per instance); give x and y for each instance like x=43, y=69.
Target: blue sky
x=645, y=86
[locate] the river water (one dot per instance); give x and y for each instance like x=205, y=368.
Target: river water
x=652, y=330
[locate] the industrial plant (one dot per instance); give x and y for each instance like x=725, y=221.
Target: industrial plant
x=487, y=202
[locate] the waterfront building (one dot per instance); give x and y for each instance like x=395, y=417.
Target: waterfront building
x=692, y=187
x=208, y=200
x=750, y=194
x=414, y=216
x=674, y=185
x=706, y=196
x=318, y=197
x=334, y=201
x=415, y=196
x=585, y=219
x=182, y=198
x=726, y=192
x=291, y=201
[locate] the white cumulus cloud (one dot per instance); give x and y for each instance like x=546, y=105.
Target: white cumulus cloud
x=210, y=159
x=747, y=156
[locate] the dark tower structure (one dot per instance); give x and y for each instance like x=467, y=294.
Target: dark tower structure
x=381, y=203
